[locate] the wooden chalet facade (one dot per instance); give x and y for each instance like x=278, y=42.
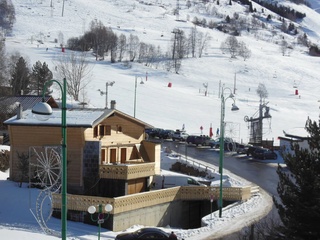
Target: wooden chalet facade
x=107, y=154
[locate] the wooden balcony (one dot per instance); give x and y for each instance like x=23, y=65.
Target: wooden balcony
x=130, y=170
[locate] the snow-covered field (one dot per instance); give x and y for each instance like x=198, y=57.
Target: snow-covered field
x=184, y=103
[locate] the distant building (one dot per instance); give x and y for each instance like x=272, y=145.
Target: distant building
x=297, y=135
x=10, y=104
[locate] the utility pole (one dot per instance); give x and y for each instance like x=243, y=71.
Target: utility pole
x=62, y=7
x=106, y=92
x=174, y=57
x=235, y=82
x=177, y=10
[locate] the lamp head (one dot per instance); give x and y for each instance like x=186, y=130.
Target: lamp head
x=231, y=95
x=234, y=107
x=108, y=208
x=92, y=209
x=42, y=111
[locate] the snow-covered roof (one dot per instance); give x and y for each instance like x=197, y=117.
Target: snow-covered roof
x=27, y=101
x=4, y=148
x=75, y=118
x=298, y=132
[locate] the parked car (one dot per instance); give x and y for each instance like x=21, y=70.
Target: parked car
x=229, y=144
x=167, y=181
x=144, y=234
x=251, y=150
x=202, y=140
x=153, y=132
x=179, y=135
x=191, y=139
x=264, y=153
x=243, y=149
x=165, y=134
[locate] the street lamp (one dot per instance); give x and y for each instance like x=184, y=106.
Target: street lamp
x=106, y=92
x=135, y=94
x=222, y=125
x=101, y=216
x=42, y=111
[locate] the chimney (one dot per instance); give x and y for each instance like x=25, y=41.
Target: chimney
x=113, y=104
x=19, y=111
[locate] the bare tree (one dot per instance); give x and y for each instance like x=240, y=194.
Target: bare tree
x=133, y=46
x=113, y=45
x=7, y=15
x=262, y=92
x=4, y=161
x=151, y=55
x=284, y=47
x=244, y=51
x=178, y=48
x=230, y=45
x=75, y=68
x=23, y=167
x=143, y=50
x=192, y=41
x=98, y=36
x=122, y=43
x=61, y=38
x=202, y=42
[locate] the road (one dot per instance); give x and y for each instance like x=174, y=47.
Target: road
x=260, y=172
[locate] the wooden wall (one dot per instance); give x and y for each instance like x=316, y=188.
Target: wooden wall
x=23, y=137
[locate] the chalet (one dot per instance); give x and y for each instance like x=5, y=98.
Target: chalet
x=107, y=154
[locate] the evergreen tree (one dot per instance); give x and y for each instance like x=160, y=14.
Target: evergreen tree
x=250, y=7
x=20, y=77
x=299, y=189
x=2, y=61
x=40, y=74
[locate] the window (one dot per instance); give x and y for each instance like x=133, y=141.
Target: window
x=95, y=132
x=108, y=130
x=101, y=130
x=119, y=128
x=192, y=181
x=104, y=130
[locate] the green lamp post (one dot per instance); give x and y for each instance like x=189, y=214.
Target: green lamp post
x=101, y=216
x=221, y=153
x=42, y=111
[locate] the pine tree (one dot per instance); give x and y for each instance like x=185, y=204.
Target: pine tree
x=40, y=74
x=299, y=189
x=20, y=77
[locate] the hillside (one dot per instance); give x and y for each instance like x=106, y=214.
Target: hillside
x=184, y=102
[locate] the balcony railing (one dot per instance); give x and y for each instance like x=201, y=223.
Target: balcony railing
x=152, y=198
x=128, y=171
